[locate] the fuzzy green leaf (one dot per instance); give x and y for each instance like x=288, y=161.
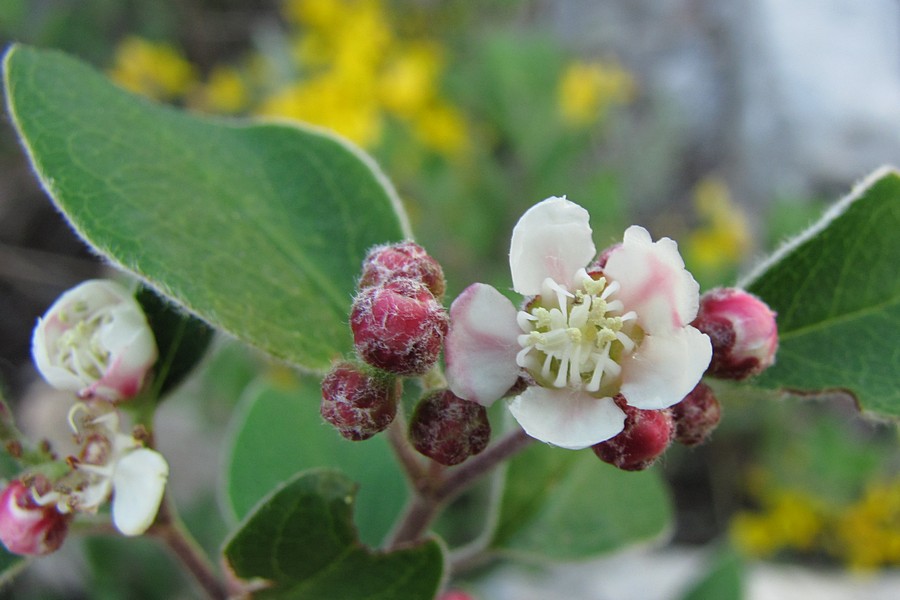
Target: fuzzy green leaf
x=301, y=540
x=258, y=228
x=290, y=415
x=837, y=294
x=566, y=505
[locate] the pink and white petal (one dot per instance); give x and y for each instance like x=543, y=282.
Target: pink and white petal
x=566, y=418
x=481, y=346
x=654, y=282
x=552, y=239
x=132, y=346
x=664, y=369
x=138, y=485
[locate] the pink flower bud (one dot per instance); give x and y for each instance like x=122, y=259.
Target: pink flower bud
x=696, y=416
x=26, y=527
x=646, y=435
x=357, y=403
x=399, y=327
x=95, y=340
x=406, y=260
x=742, y=330
x=448, y=429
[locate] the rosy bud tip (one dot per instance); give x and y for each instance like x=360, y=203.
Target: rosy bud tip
x=644, y=438
x=399, y=327
x=742, y=330
x=359, y=404
x=26, y=528
x=448, y=429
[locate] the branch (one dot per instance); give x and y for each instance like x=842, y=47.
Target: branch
x=169, y=529
x=428, y=500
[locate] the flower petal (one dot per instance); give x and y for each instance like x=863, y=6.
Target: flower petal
x=138, y=485
x=654, y=282
x=567, y=418
x=552, y=239
x=664, y=369
x=481, y=345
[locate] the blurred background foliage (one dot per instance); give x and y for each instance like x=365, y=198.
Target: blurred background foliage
x=475, y=111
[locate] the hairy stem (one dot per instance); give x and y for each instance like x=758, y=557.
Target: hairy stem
x=169, y=529
x=446, y=484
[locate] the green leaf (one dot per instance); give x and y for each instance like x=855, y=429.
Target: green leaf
x=723, y=581
x=277, y=432
x=182, y=339
x=566, y=505
x=837, y=295
x=10, y=565
x=258, y=228
x=301, y=539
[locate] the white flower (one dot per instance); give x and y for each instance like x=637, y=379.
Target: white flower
x=111, y=463
x=585, y=334
x=95, y=340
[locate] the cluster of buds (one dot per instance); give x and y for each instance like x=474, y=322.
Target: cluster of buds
x=399, y=326
x=744, y=338
x=94, y=341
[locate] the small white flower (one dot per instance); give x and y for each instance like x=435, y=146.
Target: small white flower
x=95, y=340
x=111, y=463
x=585, y=334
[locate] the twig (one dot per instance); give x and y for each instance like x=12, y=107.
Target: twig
x=169, y=529
x=428, y=500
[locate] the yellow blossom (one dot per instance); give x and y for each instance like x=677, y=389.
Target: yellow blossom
x=408, y=81
x=789, y=520
x=442, y=128
x=153, y=69
x=326, y=101
x=587, y=90
x=868, y=532
x=723, y=238
x=224, y=91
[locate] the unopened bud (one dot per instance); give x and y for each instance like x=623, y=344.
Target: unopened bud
x=95, y=340
x=399, y=327
x=448, y=429
x=696, y=416
x=742, y=330
x=645, y=436
x=26, y=527
x=406, y=260
x=357, y=402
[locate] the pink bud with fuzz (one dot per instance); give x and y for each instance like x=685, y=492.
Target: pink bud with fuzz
x=696, y=416
x=645, y=437
x=742, y=330
x=27, y=528
x=448, y=429
x=406, y=260
x=399, y=327
x=359, y=404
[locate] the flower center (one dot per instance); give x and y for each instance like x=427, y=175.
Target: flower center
x=575, y=339
x=80, y=348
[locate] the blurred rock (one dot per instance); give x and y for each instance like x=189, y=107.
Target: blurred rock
x=786, y=99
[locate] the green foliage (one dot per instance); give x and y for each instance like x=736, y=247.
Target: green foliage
x=566, y=505
x=277, y=432
x=181, y=338
x=837, y=296
x=256, y=228
x=10, y=565
x=723, y=581
x=301, y=539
